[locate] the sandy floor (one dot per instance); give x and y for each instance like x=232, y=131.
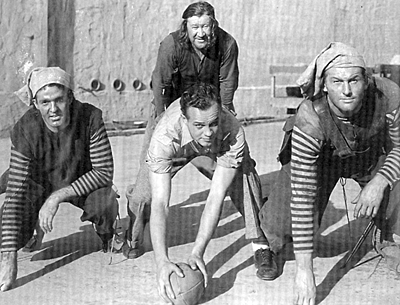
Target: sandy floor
x=71, y=269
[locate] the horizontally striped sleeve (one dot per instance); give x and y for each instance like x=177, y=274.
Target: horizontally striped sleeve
x=305, y=151
x=101, y=158
x=391, y=167
x=17, y=185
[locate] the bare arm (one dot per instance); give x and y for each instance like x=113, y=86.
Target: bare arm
x=221, y=181
x=161, y=192
x=304, y=283
x=50, y=207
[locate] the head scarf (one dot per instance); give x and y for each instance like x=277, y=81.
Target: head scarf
x=335, y=55
x=40, y=77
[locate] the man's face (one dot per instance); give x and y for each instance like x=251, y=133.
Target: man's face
x=203, y=124
x=199, y=31
x=53, y=104
x=346, y=88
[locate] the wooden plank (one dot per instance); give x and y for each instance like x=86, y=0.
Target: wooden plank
x=277, y=69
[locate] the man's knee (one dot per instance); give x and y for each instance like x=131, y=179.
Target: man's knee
x=100, y=203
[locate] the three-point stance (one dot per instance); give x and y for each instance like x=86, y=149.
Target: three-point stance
x=349, y=126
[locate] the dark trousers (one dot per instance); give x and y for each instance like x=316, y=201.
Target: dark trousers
x=245, y=190
x=275, y=215
x=99, y=207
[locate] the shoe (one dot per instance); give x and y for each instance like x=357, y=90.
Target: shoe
x=34, y=244
x=387, y=249
x=265, y=263
x=106, y=240
x=111, y=242
x=132, y=253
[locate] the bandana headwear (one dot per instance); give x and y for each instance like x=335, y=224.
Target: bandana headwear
x=40, y=77
x=335, y=55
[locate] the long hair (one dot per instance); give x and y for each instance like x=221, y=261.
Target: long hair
x=197, y=9
x=200, y=95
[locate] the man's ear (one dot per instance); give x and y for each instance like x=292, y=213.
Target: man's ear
x=184, y=118
x=324, y=89
x=34, y=102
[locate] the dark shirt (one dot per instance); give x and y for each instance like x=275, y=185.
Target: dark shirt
x=42, y=162
x=178, y=68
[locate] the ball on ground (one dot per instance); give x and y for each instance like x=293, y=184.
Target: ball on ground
x=189, y=289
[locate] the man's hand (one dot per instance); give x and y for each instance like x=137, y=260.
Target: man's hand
x=304, y=287
x=304, y=283
x=8, y=269
x=50, y=207
x=369, y=201
x=47, y=213
x=164, y=271
x=196, y=262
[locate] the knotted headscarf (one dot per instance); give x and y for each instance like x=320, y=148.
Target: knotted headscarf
x=40, y=77
x=335, y=55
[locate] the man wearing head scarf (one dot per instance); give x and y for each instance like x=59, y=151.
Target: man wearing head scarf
x=60, y=152
x=347, y=127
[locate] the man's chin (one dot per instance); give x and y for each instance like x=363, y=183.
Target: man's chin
x=201, y=46
x=206, y=144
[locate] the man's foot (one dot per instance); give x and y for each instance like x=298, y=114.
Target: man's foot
x=34, y=244
x=107, y=241
x=265, y=263
x=388, y=249
x=132, y=253
x=8, y=269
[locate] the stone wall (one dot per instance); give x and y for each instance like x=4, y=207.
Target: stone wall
x=23, y=43
x=118, y=40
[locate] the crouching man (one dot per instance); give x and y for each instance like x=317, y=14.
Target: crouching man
x=347, y=127
x=198, y=125
x=60, y=152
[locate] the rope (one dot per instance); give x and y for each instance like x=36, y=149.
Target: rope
x=343, y=183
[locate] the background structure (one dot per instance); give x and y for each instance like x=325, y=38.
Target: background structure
x=109, y=40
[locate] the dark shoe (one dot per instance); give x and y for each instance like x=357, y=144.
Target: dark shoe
x=132, y=253
x=34, y=244
x=266, y=265
x=106, y=240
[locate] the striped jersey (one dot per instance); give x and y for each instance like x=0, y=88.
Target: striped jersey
x=42, y=162
x=307, y=145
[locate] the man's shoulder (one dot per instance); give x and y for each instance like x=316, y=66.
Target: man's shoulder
x=224, y=34
x=307, y=120
x=170, y=125
x=171, y=39
x=225, y=38
x=85, y=110
x=229, y=123
x=29, y=120
x=388, y=89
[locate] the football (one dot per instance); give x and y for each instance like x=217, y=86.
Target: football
x=189, y=289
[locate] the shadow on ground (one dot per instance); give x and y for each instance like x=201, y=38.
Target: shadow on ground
x=67, y=249
x=184, y=223
x=185, y=217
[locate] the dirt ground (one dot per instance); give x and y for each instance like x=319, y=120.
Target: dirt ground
x=71, y=269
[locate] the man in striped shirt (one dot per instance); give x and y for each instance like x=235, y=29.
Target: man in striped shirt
x=60, y=152
x=347, y=127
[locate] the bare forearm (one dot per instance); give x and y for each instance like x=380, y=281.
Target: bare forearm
x=63, y=194
x=208, y=223
x=158, y=229
x=304, y=261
